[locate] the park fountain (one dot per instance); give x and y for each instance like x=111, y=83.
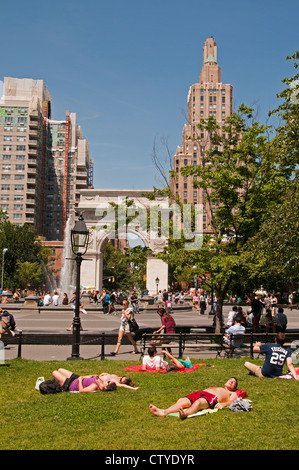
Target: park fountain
x=68, y=269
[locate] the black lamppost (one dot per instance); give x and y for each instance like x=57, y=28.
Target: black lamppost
x=157, y=283
x=79, y=240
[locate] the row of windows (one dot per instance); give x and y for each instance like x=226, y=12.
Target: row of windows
x=210, y=90
x=17, y=157
x=11, y=109
x=16, y=207
x=17, y=187
x=10, y=119
x=7, y=166
x=19, y=138
x=18, y=147
x=17, y=197
x=9, y=128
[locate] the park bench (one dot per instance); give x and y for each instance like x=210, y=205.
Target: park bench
x=182, y=341
x=247, y=340
x=212, y=341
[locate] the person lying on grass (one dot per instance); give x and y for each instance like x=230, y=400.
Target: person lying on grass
x=125, y=382
x=71, y=382
x=153, y=361
x=212, y=397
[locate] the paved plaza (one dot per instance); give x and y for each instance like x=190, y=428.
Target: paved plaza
x=58, y=320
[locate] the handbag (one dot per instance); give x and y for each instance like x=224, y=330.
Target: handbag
x=133, y=325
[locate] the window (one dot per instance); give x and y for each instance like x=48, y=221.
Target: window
x=6, y=157
x=20, y=157
x=18, y=207
x=17, y=216
x=5, y=176
x=21, y=147
x=6, y=167
x=19, y=177
x=7, y=138
x=5, y=187
x=19, y=187
x=18, y=197
x=20, y=167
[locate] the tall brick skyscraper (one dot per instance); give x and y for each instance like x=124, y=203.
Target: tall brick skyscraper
x=208, y=97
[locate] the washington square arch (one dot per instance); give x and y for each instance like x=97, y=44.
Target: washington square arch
x=106, y=214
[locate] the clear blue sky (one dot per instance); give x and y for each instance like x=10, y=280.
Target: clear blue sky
x=125, y=67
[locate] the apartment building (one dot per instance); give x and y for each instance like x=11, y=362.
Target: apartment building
x=208, y=97
x=43, y=163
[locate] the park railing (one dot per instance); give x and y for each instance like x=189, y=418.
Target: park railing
x=182, y=341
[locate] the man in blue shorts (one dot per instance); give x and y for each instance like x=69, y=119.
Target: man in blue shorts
x=275, y=357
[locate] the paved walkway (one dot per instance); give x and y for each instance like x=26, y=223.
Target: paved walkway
x=95, y=321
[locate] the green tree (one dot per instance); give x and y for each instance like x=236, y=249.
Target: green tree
x=240, y=176
x=23, y=246
x=29, y=275
x=116, y=266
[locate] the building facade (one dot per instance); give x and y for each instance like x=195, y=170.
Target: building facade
x=208, y=97
x=43, y=163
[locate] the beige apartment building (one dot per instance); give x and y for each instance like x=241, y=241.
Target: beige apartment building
x=43, y=163
x=208, y=97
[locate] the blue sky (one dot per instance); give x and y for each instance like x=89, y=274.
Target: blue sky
x=125, y=67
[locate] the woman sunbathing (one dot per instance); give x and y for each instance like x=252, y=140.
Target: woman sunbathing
x=125, y=382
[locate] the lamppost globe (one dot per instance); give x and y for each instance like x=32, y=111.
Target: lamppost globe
x=79, y=236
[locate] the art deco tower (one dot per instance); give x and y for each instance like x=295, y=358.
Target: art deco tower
x=208, y=97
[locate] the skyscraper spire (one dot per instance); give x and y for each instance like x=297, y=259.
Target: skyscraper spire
x=211, y=71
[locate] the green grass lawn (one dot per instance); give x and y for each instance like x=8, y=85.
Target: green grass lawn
x=121, y=420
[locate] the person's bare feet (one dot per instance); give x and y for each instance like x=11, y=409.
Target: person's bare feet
x=156, y=411
x=182, y=414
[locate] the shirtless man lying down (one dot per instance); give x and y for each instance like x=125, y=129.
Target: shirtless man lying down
x=212, y=397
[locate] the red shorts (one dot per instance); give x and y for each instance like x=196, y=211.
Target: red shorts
x=211, y=399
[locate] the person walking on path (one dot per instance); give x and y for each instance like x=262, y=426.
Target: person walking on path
x=127, y=314
x=168, y=325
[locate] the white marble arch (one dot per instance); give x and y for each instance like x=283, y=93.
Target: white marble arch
x=98, y=208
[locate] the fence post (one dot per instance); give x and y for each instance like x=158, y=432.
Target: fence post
x=20, y=343
x=103, y=347
x=251, y=344
x=180, y=347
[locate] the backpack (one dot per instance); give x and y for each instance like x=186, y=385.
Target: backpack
x=50, y=386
